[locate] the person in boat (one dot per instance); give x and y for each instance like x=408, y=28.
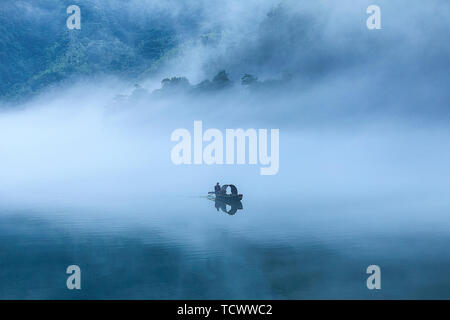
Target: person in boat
x=217, y=188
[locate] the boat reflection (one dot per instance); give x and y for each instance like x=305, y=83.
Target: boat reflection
x=228, y=206
x=227, y=202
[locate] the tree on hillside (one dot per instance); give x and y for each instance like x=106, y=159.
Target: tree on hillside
x=248, y=79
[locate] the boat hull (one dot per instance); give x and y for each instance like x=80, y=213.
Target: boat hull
x=229, y=197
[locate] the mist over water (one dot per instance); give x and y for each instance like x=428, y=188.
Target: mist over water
x=78, y=144
x=86, y=178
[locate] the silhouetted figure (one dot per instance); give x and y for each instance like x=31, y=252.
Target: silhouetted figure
x=217, y=188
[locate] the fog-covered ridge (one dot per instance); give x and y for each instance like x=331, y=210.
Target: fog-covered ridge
x=312, y=42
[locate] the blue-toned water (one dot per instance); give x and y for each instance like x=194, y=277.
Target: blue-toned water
x=98, y=190
x=181, y=247
x=87, y=176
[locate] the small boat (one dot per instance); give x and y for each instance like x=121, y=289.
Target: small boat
x=224, y=196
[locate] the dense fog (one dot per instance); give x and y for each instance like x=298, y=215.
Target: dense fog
x=361, y=113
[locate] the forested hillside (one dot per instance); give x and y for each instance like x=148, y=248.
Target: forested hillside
x=307, y=42
x=37, y=49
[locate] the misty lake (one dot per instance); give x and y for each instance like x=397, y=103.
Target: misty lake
x=91, y=113
x=140, y=227
x=183, y=248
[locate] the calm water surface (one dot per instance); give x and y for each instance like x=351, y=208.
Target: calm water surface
x=183, y=248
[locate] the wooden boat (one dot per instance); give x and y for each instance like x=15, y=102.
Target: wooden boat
x=224, y=196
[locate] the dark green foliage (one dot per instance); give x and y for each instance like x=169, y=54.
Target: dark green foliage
x=176, y=83
x=37, y=50
x=221, y=79
x=248, y=79
x=219, y=82
x=181, y=86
